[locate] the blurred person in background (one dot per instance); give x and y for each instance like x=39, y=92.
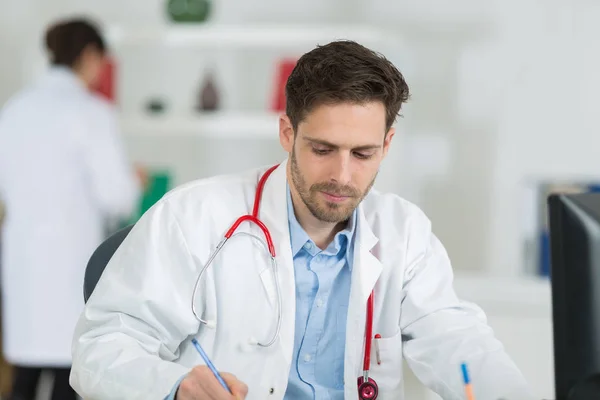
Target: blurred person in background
x=63, y=172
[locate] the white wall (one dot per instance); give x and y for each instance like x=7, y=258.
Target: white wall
x=447, y=101
x=548, y=125
x=12, y=31
x=514, y=86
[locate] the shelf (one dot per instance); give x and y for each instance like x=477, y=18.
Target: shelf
x=210, y=125
x=265, y=36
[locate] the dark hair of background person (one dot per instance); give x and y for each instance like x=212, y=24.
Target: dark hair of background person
x=344, y=72
x=66, y=40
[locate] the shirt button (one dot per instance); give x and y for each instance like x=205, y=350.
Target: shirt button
x=308, y=246
x=307, y=357
x=319, y=303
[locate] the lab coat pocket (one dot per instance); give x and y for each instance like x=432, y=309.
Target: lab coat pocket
x=386, y=369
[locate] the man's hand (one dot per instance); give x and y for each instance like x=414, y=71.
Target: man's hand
x=201, y=384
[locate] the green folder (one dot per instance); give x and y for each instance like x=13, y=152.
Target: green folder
x=159, y=183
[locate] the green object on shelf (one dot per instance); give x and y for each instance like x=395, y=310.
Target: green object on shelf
x=189, y=10
x=159, y=183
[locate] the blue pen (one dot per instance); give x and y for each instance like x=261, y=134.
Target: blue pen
x=209, y=364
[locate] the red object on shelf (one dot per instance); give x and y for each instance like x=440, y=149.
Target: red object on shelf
x=284, y=69
x=107, y=81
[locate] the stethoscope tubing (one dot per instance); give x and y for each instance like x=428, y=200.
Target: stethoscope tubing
x=275, y=277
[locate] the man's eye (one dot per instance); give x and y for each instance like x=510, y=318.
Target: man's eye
x=321, y=152
x=362, y=156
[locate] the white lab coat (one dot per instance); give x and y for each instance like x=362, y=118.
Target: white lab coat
x=133, y=339
x=62, y=172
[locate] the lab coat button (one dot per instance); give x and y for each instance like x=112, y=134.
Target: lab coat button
x=271, y=391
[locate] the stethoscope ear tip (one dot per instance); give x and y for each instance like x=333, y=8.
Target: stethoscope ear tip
x=249, y=345
x=211, y=324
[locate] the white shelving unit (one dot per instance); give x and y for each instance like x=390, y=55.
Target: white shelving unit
x=167, y=61
x=244, y=36
x=224, y=125
x=223, y=38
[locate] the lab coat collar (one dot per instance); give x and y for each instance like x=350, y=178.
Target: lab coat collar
x=273, y=213
x=366, y=272
x=370, y=267
x=64, y=76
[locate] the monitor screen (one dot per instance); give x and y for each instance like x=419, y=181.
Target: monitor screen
x=574, y=224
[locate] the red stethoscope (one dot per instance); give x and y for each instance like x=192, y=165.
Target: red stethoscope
x=367, y=387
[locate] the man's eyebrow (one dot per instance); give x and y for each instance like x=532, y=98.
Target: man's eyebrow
x=334, y=146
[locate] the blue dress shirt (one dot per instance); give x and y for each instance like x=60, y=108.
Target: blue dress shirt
x=322, y=294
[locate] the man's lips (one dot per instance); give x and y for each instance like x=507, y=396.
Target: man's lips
x=334, y=197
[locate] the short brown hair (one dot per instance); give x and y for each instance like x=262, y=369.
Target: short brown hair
x=67, y=39
x=344, y=71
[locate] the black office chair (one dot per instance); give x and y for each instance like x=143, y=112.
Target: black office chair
x=99, y=259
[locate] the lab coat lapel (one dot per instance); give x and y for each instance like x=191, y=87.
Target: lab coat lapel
x=273, y=213
x=365, y=273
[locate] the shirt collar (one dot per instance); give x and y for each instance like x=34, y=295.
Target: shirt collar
x=299, y=237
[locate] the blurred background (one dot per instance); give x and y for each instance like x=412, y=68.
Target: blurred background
x=503, y=111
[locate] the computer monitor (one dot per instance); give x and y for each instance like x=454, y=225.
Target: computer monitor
x=574, y=225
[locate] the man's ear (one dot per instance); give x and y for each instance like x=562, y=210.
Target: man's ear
x=388, y=140
x=286, y=133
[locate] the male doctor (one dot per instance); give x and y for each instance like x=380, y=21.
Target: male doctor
x=336, y=241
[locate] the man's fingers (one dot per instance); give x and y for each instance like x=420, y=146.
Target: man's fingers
x=212, y=386
x=239, y=389
x=200, y=383
x=190, y=388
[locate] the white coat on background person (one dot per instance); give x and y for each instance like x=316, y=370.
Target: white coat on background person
x=133, y=340
x=63, y=171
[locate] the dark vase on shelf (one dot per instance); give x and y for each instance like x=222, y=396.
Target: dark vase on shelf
x=209, y=96
x=189, y=10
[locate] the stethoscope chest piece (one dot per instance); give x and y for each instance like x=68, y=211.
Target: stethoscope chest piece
x=367, y=390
